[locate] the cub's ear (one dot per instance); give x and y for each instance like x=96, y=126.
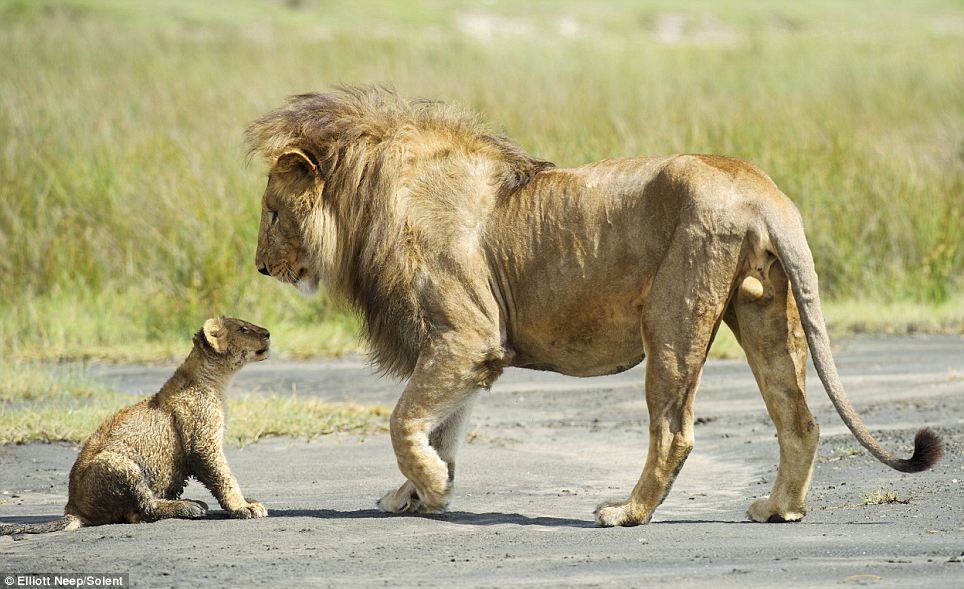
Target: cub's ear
x=215, y=335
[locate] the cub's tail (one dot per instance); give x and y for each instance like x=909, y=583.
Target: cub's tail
x=785, y=229
x=67, y=523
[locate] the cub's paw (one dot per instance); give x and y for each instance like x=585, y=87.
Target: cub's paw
x=763, y=511
x=253, y=509
x=620, y=513
x=407, y=500
x=189, y=509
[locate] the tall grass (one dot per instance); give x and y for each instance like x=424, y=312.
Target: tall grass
x=128, y=213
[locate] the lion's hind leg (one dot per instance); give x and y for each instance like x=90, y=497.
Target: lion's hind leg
x=671, y=383
x=767, y=325
x=679, y=320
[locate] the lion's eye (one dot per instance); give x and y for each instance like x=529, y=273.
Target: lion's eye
x=243, y=329
x=274, y=216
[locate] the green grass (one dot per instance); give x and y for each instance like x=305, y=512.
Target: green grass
x=128, y=213
x=881, y=497
x=255, y=417
x=42, y=405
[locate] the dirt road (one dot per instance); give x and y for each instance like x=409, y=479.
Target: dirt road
x=544, y=450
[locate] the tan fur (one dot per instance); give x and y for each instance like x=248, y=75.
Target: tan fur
x=465, y=255
x=134, y=467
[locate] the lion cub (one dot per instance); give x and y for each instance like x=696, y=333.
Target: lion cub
x=135, y=466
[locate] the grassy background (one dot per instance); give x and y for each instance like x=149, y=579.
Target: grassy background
x=128, y=213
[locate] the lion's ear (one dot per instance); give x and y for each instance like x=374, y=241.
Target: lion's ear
x=215, y=335
x=296, y=173
x=296, y=162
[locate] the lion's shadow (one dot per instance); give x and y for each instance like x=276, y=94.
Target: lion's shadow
x=452, y=517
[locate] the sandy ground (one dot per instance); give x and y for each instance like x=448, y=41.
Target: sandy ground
x=545, y=450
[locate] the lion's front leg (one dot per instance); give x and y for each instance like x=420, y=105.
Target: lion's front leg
x=445, y=439
x=402, y=500
x=427, y=427
x=427, y=489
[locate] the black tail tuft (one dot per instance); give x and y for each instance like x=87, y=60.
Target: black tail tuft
x=928, y=449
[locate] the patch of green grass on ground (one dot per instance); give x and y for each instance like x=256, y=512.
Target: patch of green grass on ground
x=39, y=405
x=129, y=212
x=254, y=417
x=30, y=382
x=881, y=497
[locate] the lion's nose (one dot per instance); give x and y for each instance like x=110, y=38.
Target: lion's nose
x=263, y=269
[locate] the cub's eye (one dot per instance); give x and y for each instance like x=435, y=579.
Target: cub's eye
x=243, y=329
x=274, y=216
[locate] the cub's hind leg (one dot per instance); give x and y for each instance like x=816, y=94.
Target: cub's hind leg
x=768, y=327
x=175, y=508
x=111, y=489
x=150, y=507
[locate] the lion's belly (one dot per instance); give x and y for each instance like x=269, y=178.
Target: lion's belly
x=603, y=340
x=581, y=367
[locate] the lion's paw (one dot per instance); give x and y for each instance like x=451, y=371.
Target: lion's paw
x=619, y=513
x=763, y=511
x=407, y=500
x=253, y=510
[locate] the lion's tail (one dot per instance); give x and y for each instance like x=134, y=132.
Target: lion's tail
x=787, y=235
x=68, y=523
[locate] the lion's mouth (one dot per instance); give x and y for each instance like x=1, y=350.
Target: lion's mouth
x=262, y=353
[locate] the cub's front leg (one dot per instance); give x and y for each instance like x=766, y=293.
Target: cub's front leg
x=210, y=466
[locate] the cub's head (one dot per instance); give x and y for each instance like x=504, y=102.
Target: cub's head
x=233, y=341
x=291, y=219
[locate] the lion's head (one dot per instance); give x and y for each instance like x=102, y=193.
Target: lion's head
x=294, y=186
x=359, y=180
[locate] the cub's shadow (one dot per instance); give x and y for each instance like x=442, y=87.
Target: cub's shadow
x=29, y=519
x=452, y=517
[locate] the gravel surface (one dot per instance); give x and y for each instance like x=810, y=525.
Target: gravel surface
x=545, y=449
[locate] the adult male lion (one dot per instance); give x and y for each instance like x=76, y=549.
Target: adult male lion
x=466, y=255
